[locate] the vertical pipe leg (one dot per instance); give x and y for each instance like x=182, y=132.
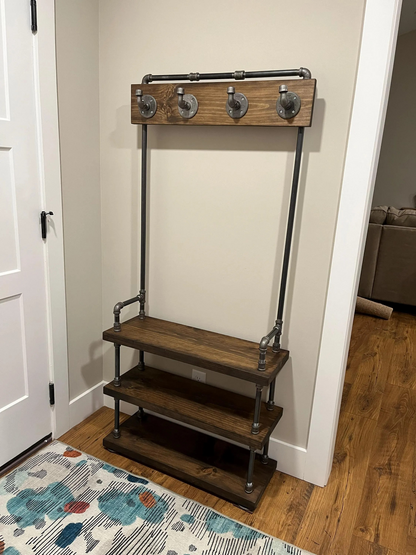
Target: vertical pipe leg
x=116, y=431
x=289, y=233
x=270, y=401
x=117, y=380
x=140, y=414
x=256, y=420
x=265, y=455
x=141, y=360
x=143, y=225
x=249, y=484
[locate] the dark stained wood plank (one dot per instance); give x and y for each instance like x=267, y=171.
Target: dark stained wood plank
x=328, y=523
x=209, y=408
x=212, y=98
x=213, y=351
x=383, y=514
x=201, y=460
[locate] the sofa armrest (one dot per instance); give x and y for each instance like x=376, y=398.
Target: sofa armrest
x=368, y=269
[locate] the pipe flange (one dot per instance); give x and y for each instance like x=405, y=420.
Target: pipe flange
x=150, y=102
x=291, y=112
x=237, y=113
x=193, y=103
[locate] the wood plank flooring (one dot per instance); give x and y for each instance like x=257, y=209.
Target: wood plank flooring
x=369, y=504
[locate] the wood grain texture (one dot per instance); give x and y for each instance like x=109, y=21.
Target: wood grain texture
x=332, y=510
x=363, y=547
x=209, y=408
x=212, y=98
x=404, y=354
x=412, y=512
x=371, y=367
x=201, y=460
x=206, y=349
x=383, y=514
x=292, y=509
x=411, y=546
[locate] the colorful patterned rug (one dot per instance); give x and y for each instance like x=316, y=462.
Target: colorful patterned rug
x=64, y=502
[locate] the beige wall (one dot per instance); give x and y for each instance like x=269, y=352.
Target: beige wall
x=78, y=87
x=396, y=175
x=218, y=197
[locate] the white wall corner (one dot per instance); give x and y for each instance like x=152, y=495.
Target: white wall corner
x=86, y=404
x=374, y=76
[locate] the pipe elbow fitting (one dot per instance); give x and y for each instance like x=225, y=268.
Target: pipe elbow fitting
x=147, y=79
x=305, y=73
x=264, y=343
x=118, y=308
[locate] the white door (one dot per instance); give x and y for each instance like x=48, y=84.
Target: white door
x=25, y=415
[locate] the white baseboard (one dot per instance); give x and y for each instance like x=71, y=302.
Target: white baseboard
x=290, y=458
x=85, y=404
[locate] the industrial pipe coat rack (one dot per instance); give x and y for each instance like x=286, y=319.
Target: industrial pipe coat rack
x=232, y=472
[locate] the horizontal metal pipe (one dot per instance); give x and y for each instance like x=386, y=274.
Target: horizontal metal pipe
x=119, y=306
x=268, y=337
x=237, y=75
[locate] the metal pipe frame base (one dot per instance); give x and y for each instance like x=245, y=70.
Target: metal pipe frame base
x=249, y=487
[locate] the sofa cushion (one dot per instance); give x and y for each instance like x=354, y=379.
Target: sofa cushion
x=395, y=279
x=378, y=215
x=404, y=217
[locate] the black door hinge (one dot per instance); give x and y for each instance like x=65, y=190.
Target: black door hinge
x=52, y=394
x=43, y=226
x=34, y=15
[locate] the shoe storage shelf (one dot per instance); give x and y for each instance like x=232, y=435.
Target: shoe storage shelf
x=225, y=451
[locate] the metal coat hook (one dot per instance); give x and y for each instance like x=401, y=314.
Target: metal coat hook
x=237, y=104
x=147, y=104
x=288, y=104
x=187, y=103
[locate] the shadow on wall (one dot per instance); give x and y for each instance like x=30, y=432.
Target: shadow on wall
x=94, y=366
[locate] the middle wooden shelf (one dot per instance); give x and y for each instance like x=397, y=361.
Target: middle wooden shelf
x=215, y=410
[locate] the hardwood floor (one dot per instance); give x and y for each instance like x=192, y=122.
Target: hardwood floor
x=369, y=504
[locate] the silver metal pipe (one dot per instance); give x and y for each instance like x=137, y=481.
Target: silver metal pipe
x=117, y=381
x=265, y=455
x=257, y=407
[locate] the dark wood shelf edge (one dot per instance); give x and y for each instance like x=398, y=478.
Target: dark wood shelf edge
x=197, y=459
x=248, y=439
x=254, y=376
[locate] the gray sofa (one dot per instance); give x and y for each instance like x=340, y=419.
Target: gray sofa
x=389, y=267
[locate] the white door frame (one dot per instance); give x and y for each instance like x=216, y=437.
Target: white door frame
x=50, y=171
x=375, y=68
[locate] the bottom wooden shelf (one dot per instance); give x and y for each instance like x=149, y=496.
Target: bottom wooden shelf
x=205, y=462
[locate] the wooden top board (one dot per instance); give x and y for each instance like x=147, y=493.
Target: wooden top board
x=212, y=98
x=205, y=349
